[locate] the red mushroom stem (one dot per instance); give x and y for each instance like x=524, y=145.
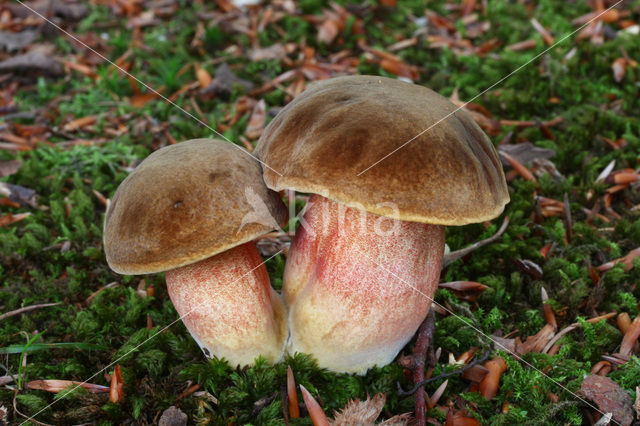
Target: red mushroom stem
x=358, y=285
x=227, y=304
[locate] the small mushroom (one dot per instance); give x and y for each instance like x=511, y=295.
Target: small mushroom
x=388, y=171
x=192, y=210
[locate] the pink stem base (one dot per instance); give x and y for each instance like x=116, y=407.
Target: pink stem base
x=227, y=304
x=358, y=285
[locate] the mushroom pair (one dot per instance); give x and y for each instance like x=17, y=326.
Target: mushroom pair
x=184, y=210
x=365, y=262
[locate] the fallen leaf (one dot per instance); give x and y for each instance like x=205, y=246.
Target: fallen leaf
x=116, y=390
x=138, y=101
x=465, y=290
x=475, y=373
x=609, y=397
x=25, y=196
x=467, y=7
x=9, y=218
x=491, y=383
x=329, y=29
x=623, y=176
x=546, y=36
x=257, y=119
x=9, y=167
x=487, y=47
x=541, y=167
x=538, y=341
x=64, y=9
x=55, y=386
x=204, y=78
x=460, y=419
x=525, y=152
x=615, y=144
x=400, y=69
x=528, y=267
x=627, y=260
x=224, y=82
x=79, y=123
x=505, y=344
x=619, y=68
x=624, y=322
x=32, y=62
x=145, y=19
x=81, y=68
x=522, y=45
x=439, y=21
x=601, y=368
x=403, y=44
x=630, y=337
x=276, y=51
x=12, y=42
x=463, y=286
x=518, y=166
x=7, y=202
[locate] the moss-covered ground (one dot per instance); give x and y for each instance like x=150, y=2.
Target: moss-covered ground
x=56, y=254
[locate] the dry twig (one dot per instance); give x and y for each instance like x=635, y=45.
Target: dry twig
x=449, y=258
x=27, y=309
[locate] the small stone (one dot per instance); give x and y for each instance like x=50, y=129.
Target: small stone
x=173, y=416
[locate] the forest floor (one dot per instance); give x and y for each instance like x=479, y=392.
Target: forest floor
x=553, y=83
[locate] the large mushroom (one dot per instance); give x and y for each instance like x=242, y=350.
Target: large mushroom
x=192, y=210
x=365, y=262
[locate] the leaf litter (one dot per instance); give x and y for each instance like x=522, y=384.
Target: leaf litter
x=72, y=127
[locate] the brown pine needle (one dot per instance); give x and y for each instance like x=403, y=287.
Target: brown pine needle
x=292, y=395
x=315, y=411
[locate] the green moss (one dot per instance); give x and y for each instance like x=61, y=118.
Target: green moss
x=56, y=254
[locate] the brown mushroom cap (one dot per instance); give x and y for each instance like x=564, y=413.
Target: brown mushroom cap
x=322, y=140
x=187, y=202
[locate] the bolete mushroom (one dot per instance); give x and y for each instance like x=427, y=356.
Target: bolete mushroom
x=366, y=259
x=192, y=210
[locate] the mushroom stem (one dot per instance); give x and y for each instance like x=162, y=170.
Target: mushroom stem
x=358, y=285
x=227, y=304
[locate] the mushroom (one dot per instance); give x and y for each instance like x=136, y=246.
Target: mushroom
x=192, y=210
x=365, y=262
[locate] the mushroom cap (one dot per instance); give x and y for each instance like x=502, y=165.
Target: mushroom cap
x=187, y=202
x=337, y=128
